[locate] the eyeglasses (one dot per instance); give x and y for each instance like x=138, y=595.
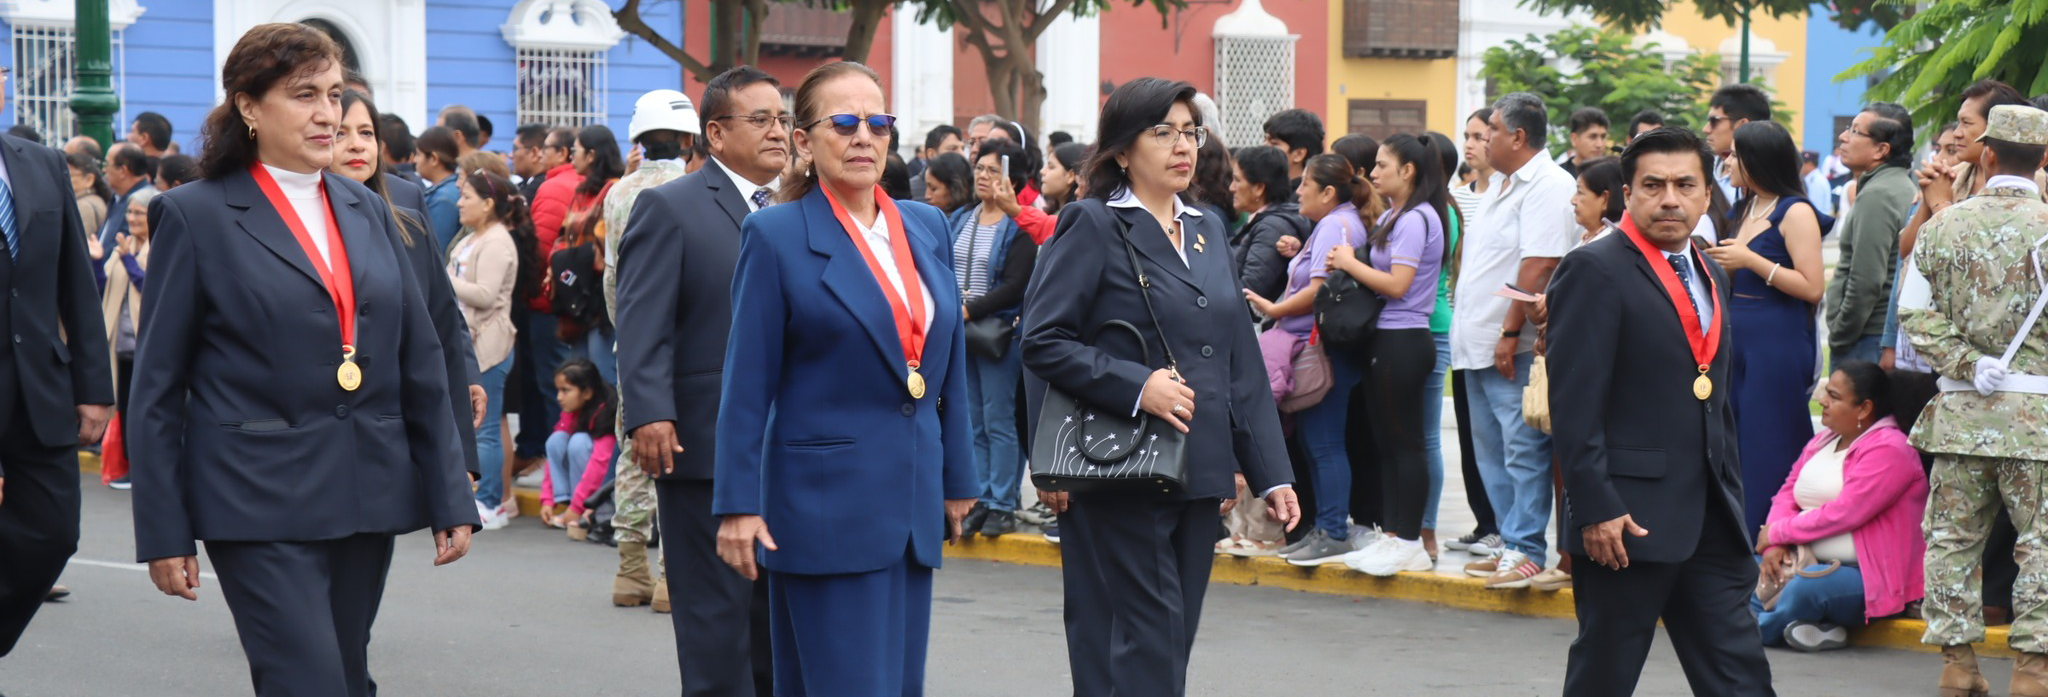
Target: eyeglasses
x=988, y=171
x=1714, y=121
x=1166, y=135
x=1852, y=131
x=761, y=120
x=848, y=124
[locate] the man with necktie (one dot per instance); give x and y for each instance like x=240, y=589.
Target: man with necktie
x=1639, y=384
x=56, y=380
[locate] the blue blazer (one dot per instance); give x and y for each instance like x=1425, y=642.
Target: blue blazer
x=239, y=431
x=817, y=432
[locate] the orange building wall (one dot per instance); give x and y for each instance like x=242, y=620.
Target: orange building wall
x=789, y=71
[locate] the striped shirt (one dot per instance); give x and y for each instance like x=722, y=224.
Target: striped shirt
x=972, y=249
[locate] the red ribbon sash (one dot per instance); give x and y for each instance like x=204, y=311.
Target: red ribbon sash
x=1704, y=344
x=341, y=286
x=909, y=313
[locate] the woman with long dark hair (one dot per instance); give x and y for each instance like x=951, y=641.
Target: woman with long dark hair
x=486, y=267
x=847, y=332
x=357, y=155
x=89, y=184
x=596, y=158
x=1213, y=174
x=1773, y=257
x=1408, y=252
x=1060, y=180
x=1330, y=192
x=949, y=183
x=296, y=444
x=1137, y=561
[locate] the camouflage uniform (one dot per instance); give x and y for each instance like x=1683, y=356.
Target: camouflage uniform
x=632, y=489
x=1970, y=287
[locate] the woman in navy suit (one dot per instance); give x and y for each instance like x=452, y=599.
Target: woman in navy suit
x=1142, y=559
x=292, y=407
x=838, y=393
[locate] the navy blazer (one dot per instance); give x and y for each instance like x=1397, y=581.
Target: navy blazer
x=817, y=432
x=239, y=431
x=49, y=297
x=1084, y=279
x=676, y=262
x=1631, y=437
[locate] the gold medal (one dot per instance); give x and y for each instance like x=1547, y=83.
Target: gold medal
x=1702, y=387
x=349, y=374
x=916, y=384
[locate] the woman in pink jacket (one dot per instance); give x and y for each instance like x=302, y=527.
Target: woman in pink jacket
x=1855, y=497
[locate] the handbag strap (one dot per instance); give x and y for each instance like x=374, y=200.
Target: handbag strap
x=1123, y=229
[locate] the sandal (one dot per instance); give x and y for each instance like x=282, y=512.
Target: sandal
x=555, y=516
x=1255, y=548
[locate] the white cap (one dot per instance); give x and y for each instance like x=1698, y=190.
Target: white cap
x=662, y=110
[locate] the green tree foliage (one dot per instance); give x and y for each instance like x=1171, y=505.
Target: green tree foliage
x=1636, y=15
x=1611, y=74
x=1853, y=14
x=1929, y=58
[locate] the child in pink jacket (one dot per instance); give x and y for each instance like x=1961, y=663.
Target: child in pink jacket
x=581, y=448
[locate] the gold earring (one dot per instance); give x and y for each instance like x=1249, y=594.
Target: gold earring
x=252, y=133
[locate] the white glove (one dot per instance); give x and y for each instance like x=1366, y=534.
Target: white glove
x=1990, y=372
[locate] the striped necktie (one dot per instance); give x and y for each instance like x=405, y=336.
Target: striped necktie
x=7, y=221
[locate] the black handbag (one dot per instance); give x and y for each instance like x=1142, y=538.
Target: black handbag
x=990, y=337
x=1081, y=448
x=1347, y=312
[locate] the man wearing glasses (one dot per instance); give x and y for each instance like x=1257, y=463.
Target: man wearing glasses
x=1730, y=108
x=674, y=272
x=1878, y=150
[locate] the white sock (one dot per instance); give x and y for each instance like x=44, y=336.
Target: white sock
x=1406, y=545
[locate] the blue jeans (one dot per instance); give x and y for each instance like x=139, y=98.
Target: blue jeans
x=1322, y=435
x=598, y=347
x=998, y=460
x=1836, y=598
x=490, y=443
x=1514, y=458
x=1433, y=426
x=1867, y=348
x=568, y=459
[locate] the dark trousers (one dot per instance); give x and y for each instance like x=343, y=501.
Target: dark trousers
x=38, y=514
x=1401, y=361
x=304, y=610
x=1468, y=463
x=523, y=396
x=1149, y=561
x=851, y=634
x=1703, y=601
x=721, y=618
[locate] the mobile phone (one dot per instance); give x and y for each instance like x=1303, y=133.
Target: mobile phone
x=1006, y=166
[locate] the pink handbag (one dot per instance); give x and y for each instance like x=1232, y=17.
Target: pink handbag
x=1311, y=376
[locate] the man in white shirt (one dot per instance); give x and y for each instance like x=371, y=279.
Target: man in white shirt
x=1526, y=230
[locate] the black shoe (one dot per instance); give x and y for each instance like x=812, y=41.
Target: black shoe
x=976, y=516
x=56, y=593
x=999, y=523
x=1052, y=532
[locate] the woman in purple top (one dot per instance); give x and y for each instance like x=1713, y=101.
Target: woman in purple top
x=1330, y=191
x=1407, y=255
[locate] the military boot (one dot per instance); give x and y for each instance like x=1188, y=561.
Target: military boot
x=2030, y=675
x=661, y=595
x=633, y=587
x=1959, y=674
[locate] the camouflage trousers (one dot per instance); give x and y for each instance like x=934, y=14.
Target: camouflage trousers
x=1963, y=498
x=633, y=493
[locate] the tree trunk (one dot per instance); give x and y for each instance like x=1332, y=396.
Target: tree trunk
x=757, y=15
x=999, y=70
x=725, y=30
x=867, y=20
x=630, y=21
x=1030, y=96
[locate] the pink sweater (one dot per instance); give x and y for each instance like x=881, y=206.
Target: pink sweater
x=601, y=449
x=1884, y=495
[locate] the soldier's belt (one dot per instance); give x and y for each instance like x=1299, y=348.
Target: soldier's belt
x=2025, y=384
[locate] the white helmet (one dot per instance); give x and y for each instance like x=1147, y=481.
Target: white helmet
x=662, y=110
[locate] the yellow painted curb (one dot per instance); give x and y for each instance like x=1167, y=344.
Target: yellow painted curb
x=1335, y=579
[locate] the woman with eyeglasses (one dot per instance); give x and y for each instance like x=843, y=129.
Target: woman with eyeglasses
x=992, y=261
x=484, y=269
x=290, y=402
x=1136, y=562
x=846, y=338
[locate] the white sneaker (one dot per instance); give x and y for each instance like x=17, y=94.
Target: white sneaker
x=493, y=518
x=1487, y=546
x=1394, y=557
x=1365, y=550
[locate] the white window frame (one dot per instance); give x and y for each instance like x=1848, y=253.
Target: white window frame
x=42, y=47
x=561, y=69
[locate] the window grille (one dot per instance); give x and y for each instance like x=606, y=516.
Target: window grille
x=1254, y=79
x=45, y=75
x=561, y=87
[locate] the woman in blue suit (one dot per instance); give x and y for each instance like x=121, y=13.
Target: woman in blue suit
x=838, y=394
x=1138, y=563
x=291, y=401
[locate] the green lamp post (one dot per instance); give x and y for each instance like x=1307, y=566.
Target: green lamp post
x=94, y=100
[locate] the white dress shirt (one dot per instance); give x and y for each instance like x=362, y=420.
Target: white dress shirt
x=1181, y=210
x=747, y=186
x=1696, y=285
x=1521, y=217
x=303, y=191
x=877, y=236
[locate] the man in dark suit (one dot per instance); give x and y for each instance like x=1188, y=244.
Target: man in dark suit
x=1639, y=384
x=55, y=379
x=675, y=272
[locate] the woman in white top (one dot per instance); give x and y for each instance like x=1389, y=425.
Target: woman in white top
x=1854, y=498
x=484, y=270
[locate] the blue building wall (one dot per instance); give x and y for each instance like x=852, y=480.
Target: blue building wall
x=1831, y=50
x=170, y=67
x=469, y=63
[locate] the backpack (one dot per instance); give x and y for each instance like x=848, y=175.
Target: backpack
x=1347, y=312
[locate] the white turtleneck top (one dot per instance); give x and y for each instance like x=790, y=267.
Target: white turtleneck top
x=303, y=190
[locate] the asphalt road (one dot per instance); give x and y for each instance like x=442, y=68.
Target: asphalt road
x=528, y=614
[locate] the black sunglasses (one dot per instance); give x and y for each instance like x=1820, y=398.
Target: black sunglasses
x=848, y=124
